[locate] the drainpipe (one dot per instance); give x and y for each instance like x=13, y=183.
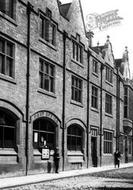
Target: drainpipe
x=88, y=104
x=101, y=114
x=117, y=110
x=29, y=8
x=63, y=99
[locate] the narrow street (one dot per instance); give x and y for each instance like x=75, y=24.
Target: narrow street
x=110, y=179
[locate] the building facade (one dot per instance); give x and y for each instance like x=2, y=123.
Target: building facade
x=57, y=91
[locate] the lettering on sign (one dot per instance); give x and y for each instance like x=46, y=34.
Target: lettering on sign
x=45, y=153
x=46, y=114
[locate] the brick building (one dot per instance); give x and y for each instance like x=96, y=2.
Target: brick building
x=56, y=90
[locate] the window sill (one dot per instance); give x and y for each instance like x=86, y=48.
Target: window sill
x=78, y=63
x=48, y=44
x=76, y=103
x=109, y=83
x=74, y=153
x=109, y=115
x=7, y=78
x=95, y=74
x=42, y=91
x=6, y=17
x=107, y=154
x=94, y=109
x=7, y=151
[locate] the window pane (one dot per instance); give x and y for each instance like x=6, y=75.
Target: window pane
x=74, y=138
x=2, y=64
x=2, y=46
x=10, y=49
x=46, y=25
x=41, y=28
x=9, y=137
x=1, y=136
x=6, y=6
x=46, y=83
x=46, y=130
x=9, y=66
x=9, y=8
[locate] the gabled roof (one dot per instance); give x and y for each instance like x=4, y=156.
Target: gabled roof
x=64, y=8
x=106, y=52
x=99, y=49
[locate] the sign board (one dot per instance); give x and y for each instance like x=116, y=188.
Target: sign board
x=45, y=153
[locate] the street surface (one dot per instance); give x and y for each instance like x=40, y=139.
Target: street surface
x=115, y=179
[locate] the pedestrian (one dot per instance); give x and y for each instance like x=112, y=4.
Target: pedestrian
x=56, y=159
x=117, y=157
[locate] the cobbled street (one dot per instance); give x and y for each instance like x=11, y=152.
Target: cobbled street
x=116, y=179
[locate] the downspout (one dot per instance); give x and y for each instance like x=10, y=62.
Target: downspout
x=63, y=99
x=88, y=104
x=101, y=114
x=117, y=110
x=29, y=8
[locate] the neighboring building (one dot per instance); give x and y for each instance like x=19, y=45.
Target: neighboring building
x=126, y=140
x=56, y=90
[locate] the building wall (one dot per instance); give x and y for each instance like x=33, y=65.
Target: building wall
x=43, y=104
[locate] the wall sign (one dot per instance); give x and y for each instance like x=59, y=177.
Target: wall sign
x=45, y=153
x=46, y=114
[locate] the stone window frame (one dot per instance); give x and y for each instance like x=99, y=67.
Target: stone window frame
x=95, y=66
x=108, y=103
x=107, y=142
x=77, y=49
x=109, y=74
x=5, y=125
x=94, y=97
x=76, y=89
x=6, y=57
x=46, y=18
x=48, y=76
x=7, y=9
x=40, y=133
x=73, y=135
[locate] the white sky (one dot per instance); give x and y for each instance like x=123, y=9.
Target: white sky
x=121, y=35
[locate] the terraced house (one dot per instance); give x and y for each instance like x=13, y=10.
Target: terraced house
x=56, y=90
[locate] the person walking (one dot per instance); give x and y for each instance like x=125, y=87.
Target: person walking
x=117, y=157
x=56, y=160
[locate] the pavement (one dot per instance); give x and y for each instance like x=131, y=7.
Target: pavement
x=39, y=178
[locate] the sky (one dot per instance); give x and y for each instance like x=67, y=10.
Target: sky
x=120, y=35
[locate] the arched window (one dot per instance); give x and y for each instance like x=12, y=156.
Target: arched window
x=7, y=129
x=43, y=129
x=74, y=137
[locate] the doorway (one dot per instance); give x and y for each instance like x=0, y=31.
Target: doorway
x=126, y=150
x=94, y=151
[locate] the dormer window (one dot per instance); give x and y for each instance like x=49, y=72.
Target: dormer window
x=77, y=53
x=47, y=27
